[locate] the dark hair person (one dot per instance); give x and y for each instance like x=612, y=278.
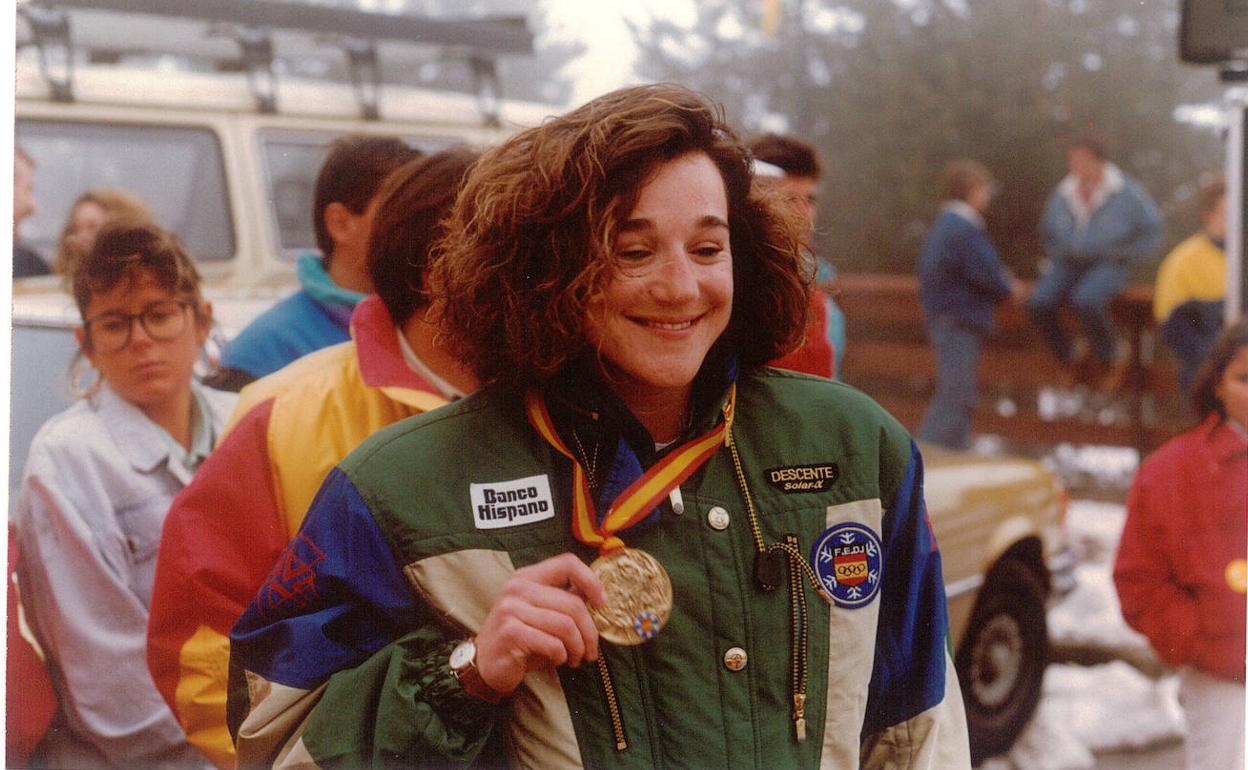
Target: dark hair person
x=354, y=168
x=332, y=281
x=1182, y=565
x=598, y=558
x=230, y=525
x=98, y=482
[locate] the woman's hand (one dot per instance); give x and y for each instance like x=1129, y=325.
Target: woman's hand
x=540, y=620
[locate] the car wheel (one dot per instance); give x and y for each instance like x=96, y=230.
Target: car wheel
x=1002, y=658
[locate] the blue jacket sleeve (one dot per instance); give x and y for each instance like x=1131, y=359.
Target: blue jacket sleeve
x=1126, y=228
x=1057, y=229
x=983, y=270
x=334, y=597
x=337, y=623
x=1145, y=238
x=911, y=642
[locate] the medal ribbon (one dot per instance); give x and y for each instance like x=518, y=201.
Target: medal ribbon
x=634, y=503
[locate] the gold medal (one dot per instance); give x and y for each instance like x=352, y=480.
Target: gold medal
x=639, y=596
x=639, y=592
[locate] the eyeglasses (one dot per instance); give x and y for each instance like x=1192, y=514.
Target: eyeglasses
x=110, y=332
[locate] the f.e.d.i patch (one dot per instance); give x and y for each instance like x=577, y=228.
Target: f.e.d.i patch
x=511, y=503
x=803, y=478
x=848, y=561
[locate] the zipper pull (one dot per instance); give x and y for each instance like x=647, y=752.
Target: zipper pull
x=799, y=716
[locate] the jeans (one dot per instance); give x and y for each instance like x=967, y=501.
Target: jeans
x=1088, y=287
x=948, y=418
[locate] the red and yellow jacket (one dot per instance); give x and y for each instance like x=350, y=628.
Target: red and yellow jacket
x=1182, y=566
x=227, y=528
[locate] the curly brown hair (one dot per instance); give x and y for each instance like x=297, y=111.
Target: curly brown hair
x=531, y=239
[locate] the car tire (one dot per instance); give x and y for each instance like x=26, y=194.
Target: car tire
x=1002, y=658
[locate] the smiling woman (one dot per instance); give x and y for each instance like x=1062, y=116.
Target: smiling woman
x=98, y=481
x=671, y=299
x=618, y=283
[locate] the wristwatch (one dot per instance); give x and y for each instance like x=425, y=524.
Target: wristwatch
x=464, y=666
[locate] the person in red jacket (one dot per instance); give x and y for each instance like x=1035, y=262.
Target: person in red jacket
x=1182, y=565
x=31, y=699
x=792, y=167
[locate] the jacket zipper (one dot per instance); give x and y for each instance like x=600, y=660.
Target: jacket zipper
x=798, y=569
x=613, y=706
x=800, y=633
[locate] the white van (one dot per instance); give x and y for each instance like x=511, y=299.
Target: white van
x=224, y=151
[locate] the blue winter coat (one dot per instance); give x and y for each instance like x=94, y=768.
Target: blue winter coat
x=1125, y=228
x=960, y=274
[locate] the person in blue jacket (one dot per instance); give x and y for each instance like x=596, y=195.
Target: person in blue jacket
x=330, y=283
x=961, y=281
x=1096, y=223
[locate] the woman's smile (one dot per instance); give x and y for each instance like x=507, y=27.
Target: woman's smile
x=670, y=296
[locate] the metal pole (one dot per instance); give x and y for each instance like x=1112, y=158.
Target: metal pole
x=803, y=122
x=1236, y=203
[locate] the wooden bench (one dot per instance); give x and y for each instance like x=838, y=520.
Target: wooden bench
x=888, y=356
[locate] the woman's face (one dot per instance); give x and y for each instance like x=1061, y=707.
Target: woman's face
x=84, y=222
x=671, y=296
x=146, y=372
x=1232, y=389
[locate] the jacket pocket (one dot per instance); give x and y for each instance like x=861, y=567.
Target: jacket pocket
x=141, y=526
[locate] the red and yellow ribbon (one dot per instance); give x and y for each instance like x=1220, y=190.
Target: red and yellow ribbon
x=634, y=503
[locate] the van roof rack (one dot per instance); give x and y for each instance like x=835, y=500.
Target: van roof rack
x=246, y=35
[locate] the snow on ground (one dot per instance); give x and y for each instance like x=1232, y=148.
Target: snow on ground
x=1086, y=709
x=1085, y=466
x=1090, y=615
x=1111, y=706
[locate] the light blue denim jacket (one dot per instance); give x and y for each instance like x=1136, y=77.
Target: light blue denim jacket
x=1123, y=226
x=98, y=482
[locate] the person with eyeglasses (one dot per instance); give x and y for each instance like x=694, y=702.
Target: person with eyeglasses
x=98, y=482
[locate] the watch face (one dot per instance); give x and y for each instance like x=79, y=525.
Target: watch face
x=462, y=655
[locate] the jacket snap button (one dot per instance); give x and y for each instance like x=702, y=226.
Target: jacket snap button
x=718, y=518
x=735, y=659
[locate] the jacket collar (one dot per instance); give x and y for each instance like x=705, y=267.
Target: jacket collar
x=579, y=398
x=381, y=360
x=1112, y=181
x=966, y=211
x=591, y=419
x=144, y=444
x=315, y=280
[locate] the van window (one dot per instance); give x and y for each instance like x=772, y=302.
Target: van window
x=176, y=170
x=292, y=160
